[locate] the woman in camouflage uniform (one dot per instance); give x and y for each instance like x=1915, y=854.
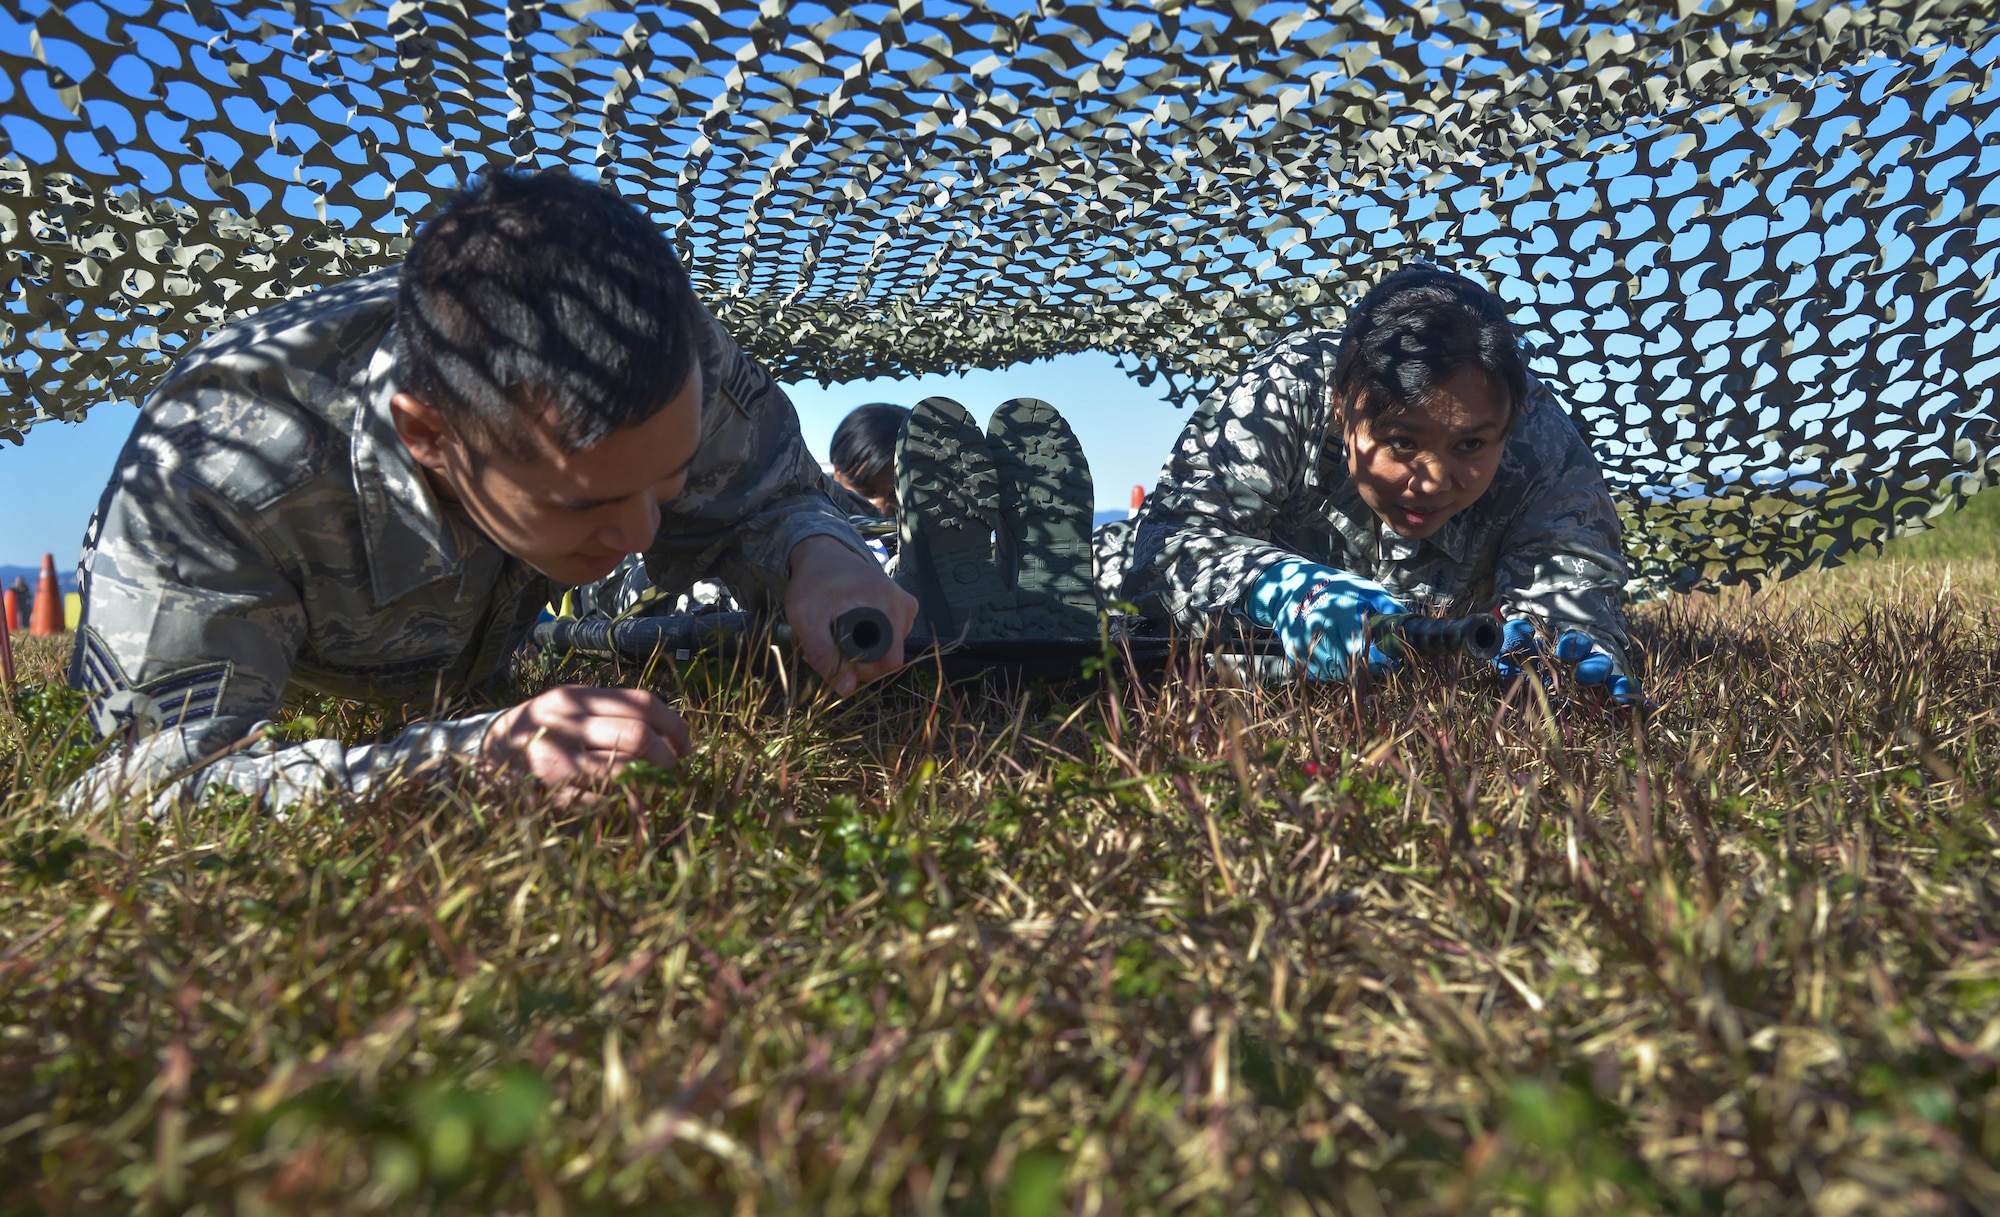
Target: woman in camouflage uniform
x=1410, y=461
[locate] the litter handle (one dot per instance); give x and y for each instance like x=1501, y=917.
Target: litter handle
x=863, y=634
x=1477, y=637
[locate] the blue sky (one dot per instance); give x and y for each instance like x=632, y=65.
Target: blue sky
x=49, y=487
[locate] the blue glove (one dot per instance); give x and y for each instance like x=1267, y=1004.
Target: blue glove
x=1521, y=651
x=1597, y=667
x=1520, y=646
x=1320, y=614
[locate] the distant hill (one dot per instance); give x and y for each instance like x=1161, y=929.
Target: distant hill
x=65, y=575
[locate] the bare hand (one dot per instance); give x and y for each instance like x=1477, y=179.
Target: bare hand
x=828, y=579
x=576, y=735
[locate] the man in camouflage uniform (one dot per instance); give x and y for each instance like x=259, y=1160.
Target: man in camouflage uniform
x=1261, y=476
x=290, y=516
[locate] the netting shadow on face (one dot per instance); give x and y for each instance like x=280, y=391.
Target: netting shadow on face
x=1752, y=245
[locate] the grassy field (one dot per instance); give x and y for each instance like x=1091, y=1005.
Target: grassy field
x=1147, y=946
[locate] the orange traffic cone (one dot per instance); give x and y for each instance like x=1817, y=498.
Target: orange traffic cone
x=48, y=601
x=7, y=642
x=11, y=609
x=1138, y=498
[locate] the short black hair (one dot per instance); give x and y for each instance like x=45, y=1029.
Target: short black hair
x=1415, y=330
x=864, y=444
x=543, y=294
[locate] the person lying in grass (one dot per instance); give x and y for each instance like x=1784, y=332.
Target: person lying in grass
x=863, y=453
x=1409, y=461
x=371, y=492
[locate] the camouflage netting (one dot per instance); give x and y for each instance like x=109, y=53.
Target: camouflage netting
x=1753, y=244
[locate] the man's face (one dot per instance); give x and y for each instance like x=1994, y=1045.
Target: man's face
x=572, y=516
x=1418, y=466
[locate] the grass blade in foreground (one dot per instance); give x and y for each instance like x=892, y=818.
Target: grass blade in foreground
x=1173, y=948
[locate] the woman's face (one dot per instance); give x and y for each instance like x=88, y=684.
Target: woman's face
x=879, y=490
x=1418, y=466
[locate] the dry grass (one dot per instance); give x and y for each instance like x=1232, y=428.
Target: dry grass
x=1146, y=947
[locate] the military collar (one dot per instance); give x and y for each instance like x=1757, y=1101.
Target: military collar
x=1450, y=540
x=1395, y=547
x=408, y=540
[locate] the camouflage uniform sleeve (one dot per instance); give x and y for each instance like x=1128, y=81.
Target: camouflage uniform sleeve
x=755, y=491
x=1111, y=553
x=1204, y=534
x=189, y=633
x=1562, y=561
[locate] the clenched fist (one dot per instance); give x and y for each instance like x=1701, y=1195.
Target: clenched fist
x=579, y=736
x=828, y=579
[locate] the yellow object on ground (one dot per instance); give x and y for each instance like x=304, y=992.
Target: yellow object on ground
x=72, y=609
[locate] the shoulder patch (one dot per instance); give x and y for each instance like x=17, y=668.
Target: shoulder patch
x=94, y=669
x=190, y=695
x=745, y=381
